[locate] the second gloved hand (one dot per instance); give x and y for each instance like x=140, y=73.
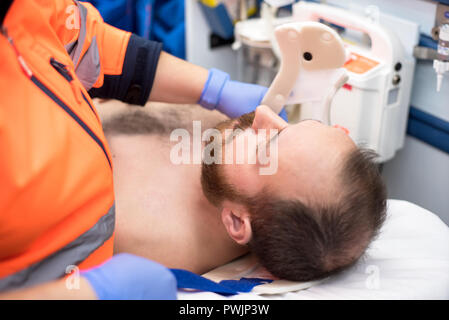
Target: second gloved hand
x=129, y=277
x=233, y=98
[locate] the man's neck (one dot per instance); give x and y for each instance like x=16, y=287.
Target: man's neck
x=162, y=213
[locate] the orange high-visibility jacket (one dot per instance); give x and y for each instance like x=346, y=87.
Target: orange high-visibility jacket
x=56, y=189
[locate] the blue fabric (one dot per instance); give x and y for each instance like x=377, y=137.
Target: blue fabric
x=158, y=20
x=244, y=284
x=119, y=13
x=190, y=280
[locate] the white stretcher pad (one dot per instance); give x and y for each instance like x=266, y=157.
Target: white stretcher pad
x=408, y=260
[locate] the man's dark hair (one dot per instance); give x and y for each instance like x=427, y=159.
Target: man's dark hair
x=302, y=242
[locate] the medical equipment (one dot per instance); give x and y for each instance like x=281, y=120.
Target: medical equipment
x=440, y=33
x=441, y=64
x=408, y=260
x=373, y=105
x=312, y=57
x=256, y=60
x=279, y=3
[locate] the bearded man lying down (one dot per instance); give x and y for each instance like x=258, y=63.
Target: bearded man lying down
x=312, y=213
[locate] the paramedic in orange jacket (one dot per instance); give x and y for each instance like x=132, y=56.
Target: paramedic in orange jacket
x=56, y=192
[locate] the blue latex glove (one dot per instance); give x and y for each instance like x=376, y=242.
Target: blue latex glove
x=233, y=98
x=129, y=277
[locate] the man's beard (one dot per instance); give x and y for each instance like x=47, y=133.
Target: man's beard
x=215, y=186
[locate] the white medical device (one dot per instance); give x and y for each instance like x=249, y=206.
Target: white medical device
x=441, y=65
x=279, y=3
x=311, y=70
x=373, y=105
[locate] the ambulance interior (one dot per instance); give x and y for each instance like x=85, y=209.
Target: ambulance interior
x=393, y=101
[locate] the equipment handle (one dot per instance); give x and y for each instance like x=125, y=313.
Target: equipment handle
x=314, y=12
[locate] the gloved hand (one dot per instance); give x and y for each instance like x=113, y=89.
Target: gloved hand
x=233, y=98
x=129, y=277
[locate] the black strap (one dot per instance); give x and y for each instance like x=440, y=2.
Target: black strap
x=4, y=7
x=139, y=70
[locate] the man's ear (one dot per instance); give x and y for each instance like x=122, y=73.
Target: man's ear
x=236, y=220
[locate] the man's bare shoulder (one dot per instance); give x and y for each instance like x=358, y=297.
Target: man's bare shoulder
x=154, y=118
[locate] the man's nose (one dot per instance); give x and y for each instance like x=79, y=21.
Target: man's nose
x=265, y=118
